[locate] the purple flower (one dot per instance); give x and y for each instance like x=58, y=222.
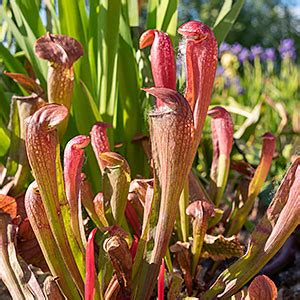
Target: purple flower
x=286, y=44
x=269, y=54
x=236, y=48
x=287, y=49
x=227, y=82
x=291, y=54
x=237, y=84
x=220, y=71
x=256, y=51
x=244, y=55
x=233, y=82
x=224, y=47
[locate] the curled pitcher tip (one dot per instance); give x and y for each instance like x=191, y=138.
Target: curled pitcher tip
x=269, y=144
x=217, y=112
x=171, y=98
x=147, y=38
x=79, y=142
x=160, y=92
x=269, y=136
x=195, y=30
x=50, y=114
x=113, y=159
x=58, y=48
x=200, y=208
x=101, y=125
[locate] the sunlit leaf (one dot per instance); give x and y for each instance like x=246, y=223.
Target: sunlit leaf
x=227, y=19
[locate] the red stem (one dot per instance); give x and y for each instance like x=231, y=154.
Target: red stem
x=133, y=218
x=161, y=282
x=90, y=267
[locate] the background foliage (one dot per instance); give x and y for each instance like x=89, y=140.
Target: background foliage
x=259, y=22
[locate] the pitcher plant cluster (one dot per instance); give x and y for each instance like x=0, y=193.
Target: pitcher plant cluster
x=140, y=237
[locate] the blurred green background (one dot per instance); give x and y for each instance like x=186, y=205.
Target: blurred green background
x=264, y=22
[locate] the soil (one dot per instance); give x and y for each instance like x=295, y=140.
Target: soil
x=288, y=280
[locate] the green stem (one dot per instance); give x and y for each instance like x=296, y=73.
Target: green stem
x=240, y=217
x=183, y=203
x=40, y=225
x=199, y=230
x=168, y=261
x=223, y=171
